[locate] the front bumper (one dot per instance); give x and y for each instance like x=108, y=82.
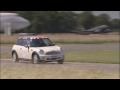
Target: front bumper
x=52, y=57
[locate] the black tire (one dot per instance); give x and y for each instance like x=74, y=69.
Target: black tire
x=35, y=59
x=60, y=61
x=15, y=57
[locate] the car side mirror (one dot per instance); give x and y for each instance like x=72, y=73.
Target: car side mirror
x=53, y=43
x=27, y=46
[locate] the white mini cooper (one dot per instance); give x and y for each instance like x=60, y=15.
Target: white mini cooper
x=37, y=49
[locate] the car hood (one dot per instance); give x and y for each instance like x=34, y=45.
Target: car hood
x=48, y=48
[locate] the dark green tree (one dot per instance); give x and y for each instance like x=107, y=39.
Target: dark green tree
x=86, y=19
x=49, y=21
x=102, y=19
x=115, y=23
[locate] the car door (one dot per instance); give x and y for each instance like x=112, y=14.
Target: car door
x=26, y=50
x=19, y=46
x=19, y=51
x=22, y=50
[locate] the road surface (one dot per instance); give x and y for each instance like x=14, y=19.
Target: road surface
x=69, y=65
x=72, y=47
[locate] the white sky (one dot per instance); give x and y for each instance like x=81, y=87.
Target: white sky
x=112, y=14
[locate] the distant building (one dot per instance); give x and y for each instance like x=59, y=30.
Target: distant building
x=9, y=22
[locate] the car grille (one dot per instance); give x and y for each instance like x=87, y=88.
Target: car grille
x=52, y=53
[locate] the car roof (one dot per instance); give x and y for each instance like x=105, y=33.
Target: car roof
x=32, y=37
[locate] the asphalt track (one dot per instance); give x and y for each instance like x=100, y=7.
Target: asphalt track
x=69, y=65
x=72, y=47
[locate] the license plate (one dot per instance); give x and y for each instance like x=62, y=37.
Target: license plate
x=54, y=56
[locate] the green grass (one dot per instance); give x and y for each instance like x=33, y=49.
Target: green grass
x=98, y=56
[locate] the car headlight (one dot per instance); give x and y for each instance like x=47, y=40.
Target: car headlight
x=62, y=50
x=41, y=52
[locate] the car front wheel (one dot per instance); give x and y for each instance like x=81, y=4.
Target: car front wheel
x=15, y=57
x=35, y=59
x=60, y=61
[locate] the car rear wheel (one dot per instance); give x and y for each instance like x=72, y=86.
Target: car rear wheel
x=15, y=57
x=35, y=59
x=60, y=61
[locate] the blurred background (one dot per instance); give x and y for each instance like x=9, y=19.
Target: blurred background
x=67, y=21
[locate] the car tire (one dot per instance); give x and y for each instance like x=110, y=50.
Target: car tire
x=15, y=57
x=35, y=59
x=60, y=61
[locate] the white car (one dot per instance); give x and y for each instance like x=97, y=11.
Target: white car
x=37, y=49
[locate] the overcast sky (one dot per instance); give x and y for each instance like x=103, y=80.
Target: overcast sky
x=112, y=14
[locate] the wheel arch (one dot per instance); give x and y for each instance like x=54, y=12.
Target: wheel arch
x=13, y=52
x=35, y=53
x=17, y=58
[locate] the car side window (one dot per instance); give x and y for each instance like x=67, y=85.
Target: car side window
x=24, y=42
x=20, y=42
x=36, y=43
x=28, y=42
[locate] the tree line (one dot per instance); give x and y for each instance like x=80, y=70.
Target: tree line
x=64, y=21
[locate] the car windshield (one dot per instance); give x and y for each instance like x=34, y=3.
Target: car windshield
x=41, y=42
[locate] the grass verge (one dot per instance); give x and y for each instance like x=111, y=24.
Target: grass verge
x=68, y=38
x=97, y=56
